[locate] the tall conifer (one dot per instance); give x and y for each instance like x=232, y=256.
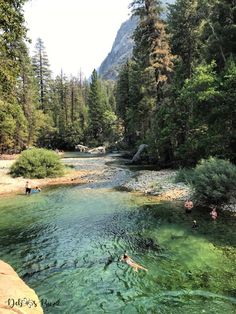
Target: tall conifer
x=43, y=74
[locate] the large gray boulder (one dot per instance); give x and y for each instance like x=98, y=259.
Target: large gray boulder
x=98, y=150
x=81, y=148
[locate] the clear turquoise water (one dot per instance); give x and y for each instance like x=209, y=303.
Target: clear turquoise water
x=60, y=242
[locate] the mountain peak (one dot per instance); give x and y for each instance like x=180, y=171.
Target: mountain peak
x=121, y=50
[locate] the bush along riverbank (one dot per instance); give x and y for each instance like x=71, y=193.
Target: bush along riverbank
x=211, y=182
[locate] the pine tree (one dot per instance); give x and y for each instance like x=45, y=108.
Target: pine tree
x=12, y=37
x=27, y=95
x=150, y=71
x=122, y=98
x=220, y=31
x=69, y=110
x=13, y=125
x=13, y=128
x=96, y=110
x=184, y=21
x=43, y=74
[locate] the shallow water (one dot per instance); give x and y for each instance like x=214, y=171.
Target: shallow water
x=66, y=242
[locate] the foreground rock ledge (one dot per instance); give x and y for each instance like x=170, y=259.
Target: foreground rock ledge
x=15, y=295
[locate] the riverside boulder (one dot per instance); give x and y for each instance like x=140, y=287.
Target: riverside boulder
x=15, y=295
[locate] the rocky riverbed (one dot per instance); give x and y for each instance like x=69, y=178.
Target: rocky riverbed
x=107, y=171
x=110, y=173
x=158, y=183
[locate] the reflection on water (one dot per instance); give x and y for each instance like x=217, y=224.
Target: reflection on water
x=66, y=243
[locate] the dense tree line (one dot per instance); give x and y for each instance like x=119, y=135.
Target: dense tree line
x=38, y=110
x=177, y=93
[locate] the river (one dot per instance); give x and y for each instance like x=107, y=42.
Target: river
x=65, y=243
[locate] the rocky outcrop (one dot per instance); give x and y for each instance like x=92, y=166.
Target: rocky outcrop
x=122, y=47
x=81, y=148
x=121, y=50
x=15, y=295
x=97, y=150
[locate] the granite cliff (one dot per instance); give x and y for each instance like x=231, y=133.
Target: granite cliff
x=121, y=49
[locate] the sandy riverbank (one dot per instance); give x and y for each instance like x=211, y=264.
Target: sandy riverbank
x=96, y=172
x=9, y=185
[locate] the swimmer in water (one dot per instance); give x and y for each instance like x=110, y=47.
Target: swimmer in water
x=195, y=225
x=128, y=260
x=188, y=206
x=213, y=213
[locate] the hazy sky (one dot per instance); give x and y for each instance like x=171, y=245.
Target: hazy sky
x=76, y=33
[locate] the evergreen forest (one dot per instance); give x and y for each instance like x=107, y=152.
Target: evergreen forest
x=176, y=94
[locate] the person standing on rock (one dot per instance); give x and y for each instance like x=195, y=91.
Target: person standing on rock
x=188, y=206
x=27, y=188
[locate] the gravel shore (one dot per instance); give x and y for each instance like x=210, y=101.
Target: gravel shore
x=100, y=172
x=158, y=183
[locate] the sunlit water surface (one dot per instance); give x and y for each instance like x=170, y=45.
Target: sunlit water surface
x=66, y=242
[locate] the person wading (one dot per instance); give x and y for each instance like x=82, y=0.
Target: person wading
x=27, y=188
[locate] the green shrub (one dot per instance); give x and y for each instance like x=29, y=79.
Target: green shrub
x=37, y=163
x=185, y=175
x=214, y=181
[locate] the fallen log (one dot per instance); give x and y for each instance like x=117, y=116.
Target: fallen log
x=137, y=156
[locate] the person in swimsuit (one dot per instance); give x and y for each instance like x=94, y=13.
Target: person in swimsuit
x=188, y=206
x=128, y=260
x=213, y=213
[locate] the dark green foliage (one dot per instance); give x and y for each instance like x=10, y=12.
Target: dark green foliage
x=200, y=100
x=37, y=163
x=142, y=82
x=182, y=106
x=18, y=93
x=72, y=135
x=184, y=28
x=220, y=31
x=185, y=175
x=96, y=109
x=101, y=117
x=128, y=96
x=13, y=128
x=214, y=181
x=225, y=114
x=194, y=115
x=12, y=36
x=69, y=111
x=27, y=97
x=42, y=74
